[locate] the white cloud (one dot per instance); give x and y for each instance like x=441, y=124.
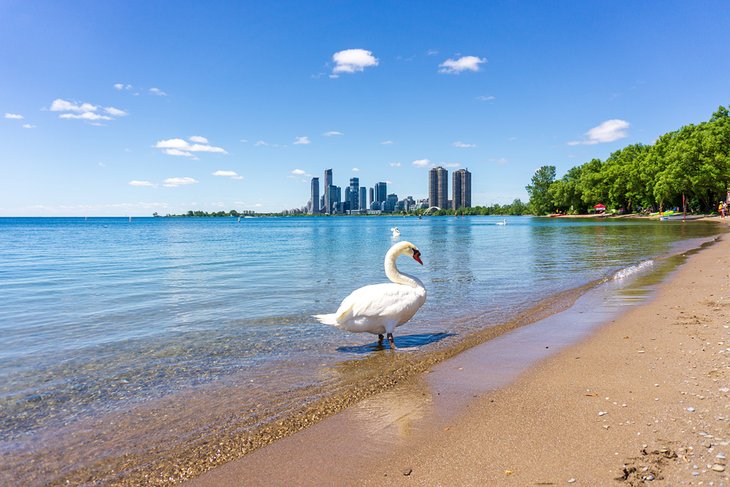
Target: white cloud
x=177, y=152
x=28, y=126
x=451, y=164
x=303, y=140
x=608, y=131
x=260, y=143
x=115, y=112
x=387, y=142
x=13, y=116
x=298, y=172
x=395, y=164
x=84, y=111
x=138, y=183
x=355, y=169
x=353, y=60
x=463, y=145
x=122, y=86
x=332, y=133
x=464, y=63
x=181, y=147
x=174, y=182
x=157, y=91
x=486, y=98
x=227, y=174
x=244, y=140
x=432, y=52
x=91, y=116
x=421, y=163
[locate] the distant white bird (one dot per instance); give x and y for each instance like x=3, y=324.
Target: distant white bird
x=380, y=308
x=396, y=232
x=503, y=222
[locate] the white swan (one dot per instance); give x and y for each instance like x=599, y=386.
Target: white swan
x=396, y=232
x=503, y=222
x=380, y=308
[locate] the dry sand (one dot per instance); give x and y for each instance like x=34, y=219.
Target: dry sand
x=643, y=399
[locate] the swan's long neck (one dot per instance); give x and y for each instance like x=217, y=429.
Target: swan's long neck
x=392, y=272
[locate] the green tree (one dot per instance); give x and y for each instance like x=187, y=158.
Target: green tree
x=539, y=190
x=566, y=193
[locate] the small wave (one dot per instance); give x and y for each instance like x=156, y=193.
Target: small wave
x=631, y=270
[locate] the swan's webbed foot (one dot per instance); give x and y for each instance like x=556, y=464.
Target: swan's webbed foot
x=380, y=339
x=391, y=340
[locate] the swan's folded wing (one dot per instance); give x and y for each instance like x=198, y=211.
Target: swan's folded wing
x=379, y=300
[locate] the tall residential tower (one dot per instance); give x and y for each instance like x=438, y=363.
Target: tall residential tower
x=438, y=187
x=327, y=183
x=314, y=208
x=461, y=189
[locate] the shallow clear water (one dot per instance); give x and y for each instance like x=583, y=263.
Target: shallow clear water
x=102, y=315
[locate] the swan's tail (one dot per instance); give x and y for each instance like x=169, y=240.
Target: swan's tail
x=329, y=319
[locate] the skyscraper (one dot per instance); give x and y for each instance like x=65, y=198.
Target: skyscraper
x=438, y=187
x=327, y=183
x=380, y=194
x=354, y=193
x=461, y=189
x=363, y=198
x=371, y=199
x=335, y=197
x=315, y=196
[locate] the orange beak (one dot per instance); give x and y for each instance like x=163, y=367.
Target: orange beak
x=417, y=256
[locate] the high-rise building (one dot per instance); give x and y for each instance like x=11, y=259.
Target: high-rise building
x=438, y=187
x=315, y=196
x=371, y=199
x=461, y=189
x=390, y=203
x=381, y=193
x=327, y=183
x=363, y=198
x=354, y=193
x=334, y=196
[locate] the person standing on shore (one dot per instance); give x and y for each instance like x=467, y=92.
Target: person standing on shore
x=721, y=209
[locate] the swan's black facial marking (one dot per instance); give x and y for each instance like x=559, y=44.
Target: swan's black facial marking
x=417, y=256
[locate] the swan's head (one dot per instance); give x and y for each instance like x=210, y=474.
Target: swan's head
x=407, y=248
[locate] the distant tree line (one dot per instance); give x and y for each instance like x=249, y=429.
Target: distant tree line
x=692, y=162
x=517, y=207
x=198, y=213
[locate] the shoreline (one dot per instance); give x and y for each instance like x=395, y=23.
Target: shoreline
x=190, y=452
x=613, y=405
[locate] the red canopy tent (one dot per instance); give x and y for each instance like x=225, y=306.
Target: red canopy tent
x=600, y=207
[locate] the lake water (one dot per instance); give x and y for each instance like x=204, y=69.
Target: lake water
x=122, y=340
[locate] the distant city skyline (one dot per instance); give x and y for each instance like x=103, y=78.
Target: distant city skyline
x=169, y=107
x=357, y=201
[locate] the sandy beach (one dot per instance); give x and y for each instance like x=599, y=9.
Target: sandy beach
x=642, y=398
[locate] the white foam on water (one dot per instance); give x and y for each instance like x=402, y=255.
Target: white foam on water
x=634, y=269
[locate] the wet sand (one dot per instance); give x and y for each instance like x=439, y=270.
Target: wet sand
x=644, y=398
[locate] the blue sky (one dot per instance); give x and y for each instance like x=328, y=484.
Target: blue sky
x=130, y=107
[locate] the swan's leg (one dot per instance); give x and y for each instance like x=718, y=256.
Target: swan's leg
x=380, y=339
x=391, y=340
